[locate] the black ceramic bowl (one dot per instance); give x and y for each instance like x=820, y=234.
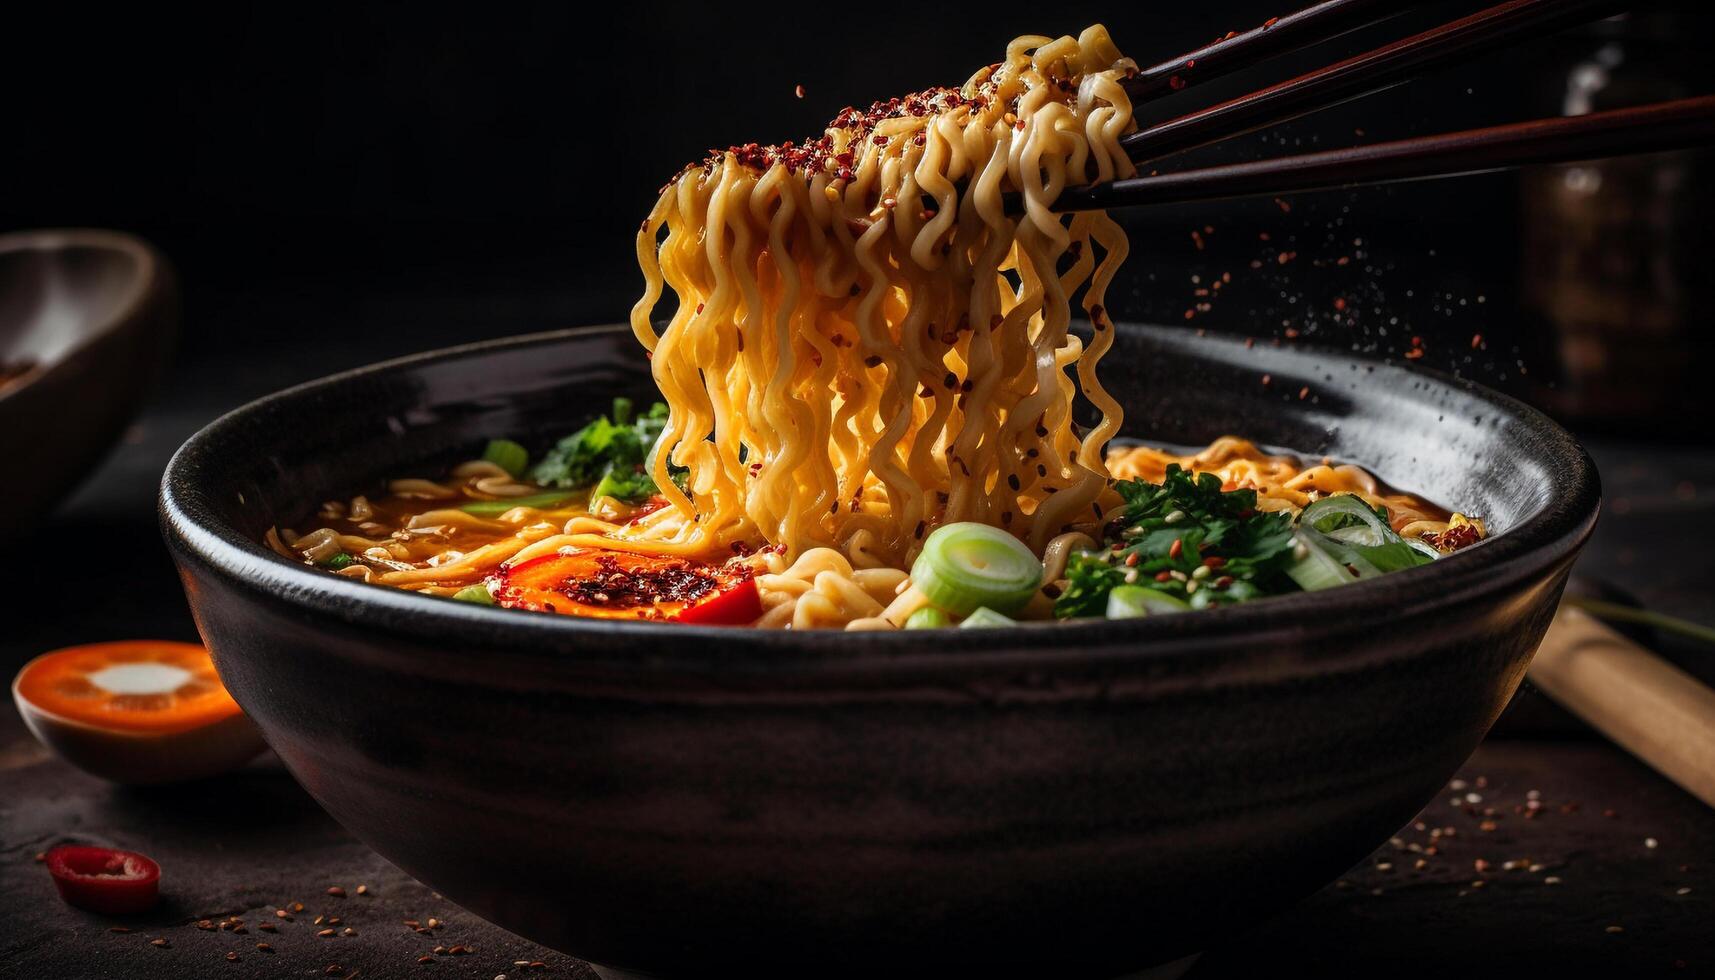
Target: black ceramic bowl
x=86, y=319
x=1077, y=799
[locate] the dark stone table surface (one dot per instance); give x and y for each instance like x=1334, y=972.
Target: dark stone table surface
x=1615, y=875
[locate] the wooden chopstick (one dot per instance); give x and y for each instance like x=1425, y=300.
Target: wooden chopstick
x=1364, y=73
x=1641, y=129
x=1654, y=710
x=1314, y=24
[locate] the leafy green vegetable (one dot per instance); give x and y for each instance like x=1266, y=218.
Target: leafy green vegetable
x=478, y=594
x=610, y=454
x=1180, y=538
x=339, y=561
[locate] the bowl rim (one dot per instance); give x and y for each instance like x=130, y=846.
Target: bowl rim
x=1544, y=538
x=150, y=269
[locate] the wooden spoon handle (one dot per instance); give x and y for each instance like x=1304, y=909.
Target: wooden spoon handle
x=1654, y=710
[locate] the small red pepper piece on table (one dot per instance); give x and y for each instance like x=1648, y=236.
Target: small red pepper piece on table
x=739, y=605
x=99, y=879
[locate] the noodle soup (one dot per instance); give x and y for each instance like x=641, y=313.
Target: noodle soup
x=870, y=380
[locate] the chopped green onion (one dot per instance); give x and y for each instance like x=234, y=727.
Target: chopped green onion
x=984, y=617
x=478, y=594
x=1346, y=518
x=1314, y=569
x=494, y=508
x=339, y=561
x=927, y=618
x=964, y=566
x=507, y=455
x=1137, y=601
x=1354, y=534
x=621, y=411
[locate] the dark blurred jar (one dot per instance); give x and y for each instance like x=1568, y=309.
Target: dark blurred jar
x=1619, y=260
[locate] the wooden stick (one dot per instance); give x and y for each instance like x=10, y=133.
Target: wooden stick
x=1654, y=710
x=1314, y=24
x=1363, y=74
x=1642, y=129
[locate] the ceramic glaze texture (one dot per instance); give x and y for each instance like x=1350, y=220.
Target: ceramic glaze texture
x=90, y=316
x=1080, y=799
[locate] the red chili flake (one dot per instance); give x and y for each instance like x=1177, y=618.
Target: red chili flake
x=1285, y=207
x=1267, y=378
x=798, y=90
x=1175, y=83
x=1270, y=22
x=1164, y=576
x=1339, y=302
x=1214, y=561
x=1304, y=393
x=1291, y=333
x=1223, y=581
x=1414, y=353
x=1177, y=549
x=1476, y=341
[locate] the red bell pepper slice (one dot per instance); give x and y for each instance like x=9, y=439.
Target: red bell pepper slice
x=739, y=605
x=103, y=880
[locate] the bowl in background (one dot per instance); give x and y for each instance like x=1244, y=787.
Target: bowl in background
x=1074, y=799
x=86, y=321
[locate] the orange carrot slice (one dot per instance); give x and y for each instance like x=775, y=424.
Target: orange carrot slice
x=621, y=585
x=141, y=686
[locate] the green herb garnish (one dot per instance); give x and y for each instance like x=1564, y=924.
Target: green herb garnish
x=1187, y=539
x=610, y=454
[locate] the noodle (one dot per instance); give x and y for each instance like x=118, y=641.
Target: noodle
x=863, y=345
x=878, y=263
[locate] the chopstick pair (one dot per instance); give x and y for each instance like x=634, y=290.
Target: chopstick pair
x=1642, y=129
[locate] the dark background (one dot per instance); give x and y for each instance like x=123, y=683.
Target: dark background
x=363, y=158
x=336, y=185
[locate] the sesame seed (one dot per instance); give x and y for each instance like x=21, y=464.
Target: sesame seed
x=1682, y=891
x=336, y=892
x=1551, y=880
x=1651, y=843
x=1614, y=929
x=264, y=947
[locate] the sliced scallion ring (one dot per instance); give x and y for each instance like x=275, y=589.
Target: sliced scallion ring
x=1137, y=601
x=507, y=455
x=984, y=617
x=475, y=593
x=964, y=566
x=1315, y=568
x=927, y=618
x=1346, y=518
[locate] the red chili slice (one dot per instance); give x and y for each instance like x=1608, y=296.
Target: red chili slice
x=739, y=605
x=102, y=880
